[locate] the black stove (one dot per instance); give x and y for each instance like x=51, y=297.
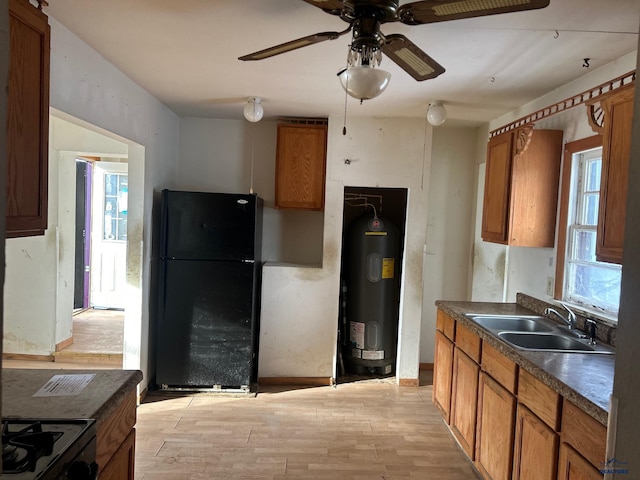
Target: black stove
x=49, y=449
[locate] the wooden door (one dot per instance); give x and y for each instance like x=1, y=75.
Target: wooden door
x=536, y=448
x=300, y=166
x=442, y=371
x=497, y=185
x=495, y=429
x=464, y=401
x=572, y=466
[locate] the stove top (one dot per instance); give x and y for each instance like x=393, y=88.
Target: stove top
x=47, y=449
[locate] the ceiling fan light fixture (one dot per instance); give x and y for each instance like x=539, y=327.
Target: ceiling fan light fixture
x=436, y=113
x=253, y=110
x=362, y=79
x=364, y=83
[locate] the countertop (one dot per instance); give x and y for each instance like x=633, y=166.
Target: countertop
x=103, y=394
x=584, y=379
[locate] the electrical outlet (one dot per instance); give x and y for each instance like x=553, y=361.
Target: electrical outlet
x=550, y=286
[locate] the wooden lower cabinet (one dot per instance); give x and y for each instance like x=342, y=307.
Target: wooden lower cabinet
x=464, y=395
x=535, y=454
x=121, y=465
x=442, y=370
x=115, y=439
x=573, y=466
x=495, y=429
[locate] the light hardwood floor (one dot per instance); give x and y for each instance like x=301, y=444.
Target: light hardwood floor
x=367, y=430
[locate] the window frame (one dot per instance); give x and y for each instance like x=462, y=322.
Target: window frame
x=565, y=210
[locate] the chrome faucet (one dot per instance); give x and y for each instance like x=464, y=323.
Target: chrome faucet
x=570, y=319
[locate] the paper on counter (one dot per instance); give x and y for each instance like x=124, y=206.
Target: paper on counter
x=65, y=385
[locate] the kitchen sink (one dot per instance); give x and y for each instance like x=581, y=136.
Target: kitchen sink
x=512, y=323
x=535, y=333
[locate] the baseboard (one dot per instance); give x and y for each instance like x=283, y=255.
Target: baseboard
x=28, y=357
x=297, y=381
x=64, y=344
x=426, y=367
x=409, y=382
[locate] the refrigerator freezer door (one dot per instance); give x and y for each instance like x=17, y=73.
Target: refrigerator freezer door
x=210, y=226
x=207, y=329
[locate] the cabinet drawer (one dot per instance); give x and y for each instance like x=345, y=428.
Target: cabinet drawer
x=499, y=367
x=445, y=324
x=585, y=434
x=540, y=399
x=468, y=342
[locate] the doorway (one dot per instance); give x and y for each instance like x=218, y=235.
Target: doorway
x=98, y=317
x=370, y=296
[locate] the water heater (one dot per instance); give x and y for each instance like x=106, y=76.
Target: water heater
x=372, y=266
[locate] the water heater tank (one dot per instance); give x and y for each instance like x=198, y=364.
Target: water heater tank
x=372, y=263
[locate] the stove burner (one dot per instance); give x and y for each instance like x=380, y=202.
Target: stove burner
x=21, y=449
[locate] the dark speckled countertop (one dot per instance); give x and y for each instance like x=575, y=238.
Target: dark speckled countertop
x=584, y=379
x=98, y=399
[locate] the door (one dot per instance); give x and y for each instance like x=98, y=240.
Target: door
x=109, y=235
x=83, y=229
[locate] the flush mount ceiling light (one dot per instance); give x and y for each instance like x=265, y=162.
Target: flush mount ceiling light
x=436, y=113
x=362, y=79
x=253, y=110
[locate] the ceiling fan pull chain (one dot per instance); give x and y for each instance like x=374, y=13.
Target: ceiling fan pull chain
x=344, y=125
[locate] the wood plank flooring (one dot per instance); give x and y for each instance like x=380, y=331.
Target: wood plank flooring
x=98, y=337
x=367, y=430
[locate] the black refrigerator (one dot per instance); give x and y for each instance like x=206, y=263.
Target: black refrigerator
x=208, y=291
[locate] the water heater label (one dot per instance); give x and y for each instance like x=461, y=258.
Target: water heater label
x=388, y=266
x=373, y=354
x=356, y=334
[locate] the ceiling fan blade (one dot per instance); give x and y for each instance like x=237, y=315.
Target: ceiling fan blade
x=431, y=11
x=293, y=45
x=334, y=7
x=410, y=58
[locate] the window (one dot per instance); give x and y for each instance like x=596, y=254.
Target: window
x=115, y=206
x=587, y=283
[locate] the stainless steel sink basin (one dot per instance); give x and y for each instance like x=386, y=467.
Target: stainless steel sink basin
x=512, y=323
x=552, y=342
x=539, y=341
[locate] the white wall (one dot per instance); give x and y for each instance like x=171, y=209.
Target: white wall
x=447, y=263
x=518, y=269
x=624, y=418
x=300, y=304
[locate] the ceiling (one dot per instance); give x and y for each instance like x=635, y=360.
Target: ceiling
x=184, y=52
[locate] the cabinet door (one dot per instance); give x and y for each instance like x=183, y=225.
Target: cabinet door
x=495, y=429
x=27, y=120
x=572, y=466
x=442, y=370
x=122, y=464
x=616, y=149
x=535, y=454
x=300, y=166
x=497, y=184
x=464, y=401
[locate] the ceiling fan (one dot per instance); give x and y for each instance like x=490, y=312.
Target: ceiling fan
x=366, y=16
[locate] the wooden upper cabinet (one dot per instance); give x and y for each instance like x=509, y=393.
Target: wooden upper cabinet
x=521, y=187
x=300, y=166
x=27, y=120
x=611, y=115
